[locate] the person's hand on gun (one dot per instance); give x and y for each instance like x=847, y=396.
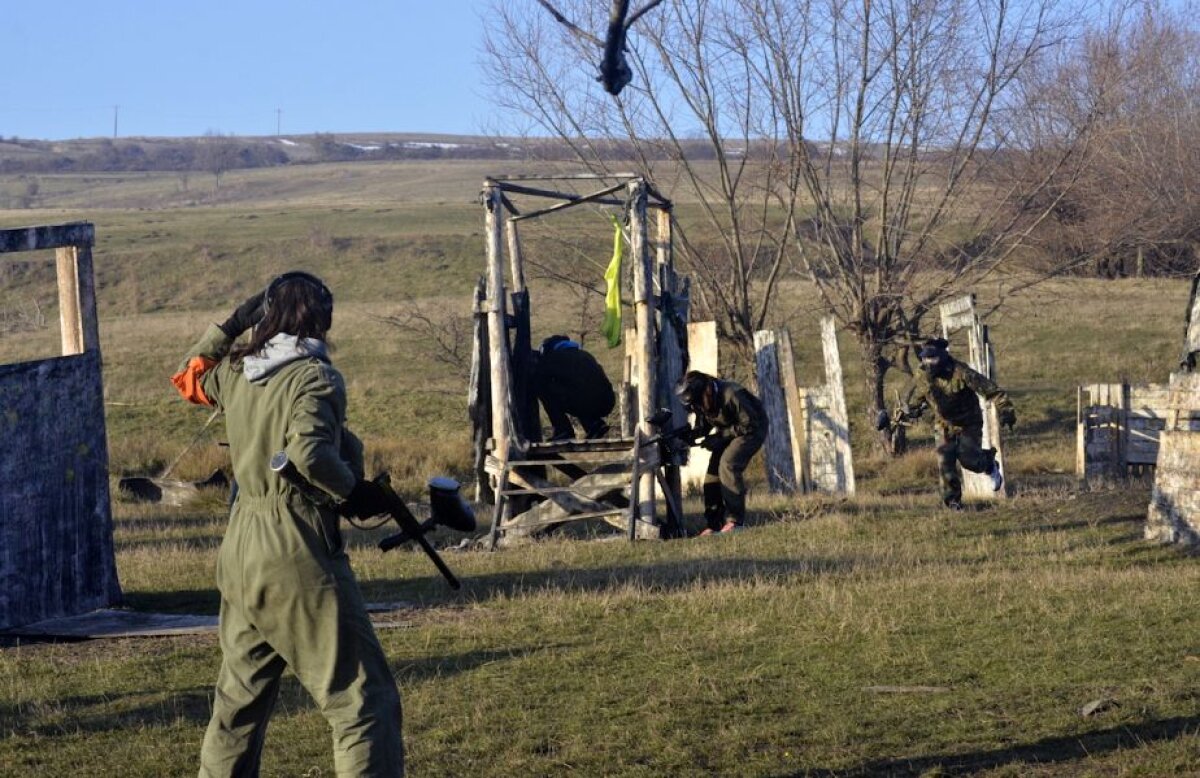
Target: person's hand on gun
x=367, y=499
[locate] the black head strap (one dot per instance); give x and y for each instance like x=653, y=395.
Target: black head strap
x=323, y=294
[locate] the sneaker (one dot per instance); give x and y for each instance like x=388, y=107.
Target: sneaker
x=997, y=476
x=731, y=526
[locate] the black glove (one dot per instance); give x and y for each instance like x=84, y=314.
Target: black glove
x=246, y=316
x=711, y=443
x=882, y=420
x=1008, y=418
x=365, y=500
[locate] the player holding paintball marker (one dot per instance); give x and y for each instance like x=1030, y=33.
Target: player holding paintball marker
x=731, y=423
x=952, y=390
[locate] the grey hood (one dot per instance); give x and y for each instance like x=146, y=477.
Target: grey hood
x=279, y=351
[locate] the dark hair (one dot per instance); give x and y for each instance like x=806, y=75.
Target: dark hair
x=298, y=307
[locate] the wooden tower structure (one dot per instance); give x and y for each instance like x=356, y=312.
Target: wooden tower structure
x=534, y=485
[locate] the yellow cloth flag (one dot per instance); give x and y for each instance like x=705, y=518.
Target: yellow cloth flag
x=612, y=295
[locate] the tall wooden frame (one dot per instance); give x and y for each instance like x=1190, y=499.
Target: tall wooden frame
x=509, y=452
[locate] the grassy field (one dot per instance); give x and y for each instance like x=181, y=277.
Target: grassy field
x=876, y=636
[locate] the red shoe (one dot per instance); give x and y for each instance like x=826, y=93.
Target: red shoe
x=731, y=526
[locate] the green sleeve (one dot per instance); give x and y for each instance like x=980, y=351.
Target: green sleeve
x=981, y=384
x=212, y=347
x=916, y=399
x=315, y=432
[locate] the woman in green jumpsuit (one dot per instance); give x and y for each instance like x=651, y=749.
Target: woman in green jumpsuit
x=288, y=596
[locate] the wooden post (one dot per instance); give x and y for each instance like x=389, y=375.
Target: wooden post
x=479, y=394
x=664, y=241
x=643, y=310
x=515, y=257
x=837, y=405
x=781, y=468
x=69, y=304
x=497, y=329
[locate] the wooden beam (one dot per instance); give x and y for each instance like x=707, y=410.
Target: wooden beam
x=497, y=327
x=516, y=258
x=580, y=200
x=47, y=237
x=644, y=318
x=69, y=309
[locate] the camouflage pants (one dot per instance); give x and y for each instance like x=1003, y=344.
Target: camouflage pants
x=725, y=482
x=961, y=447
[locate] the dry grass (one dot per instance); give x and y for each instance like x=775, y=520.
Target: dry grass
x=744, y=655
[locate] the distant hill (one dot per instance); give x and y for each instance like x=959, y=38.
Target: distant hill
x=215, y=153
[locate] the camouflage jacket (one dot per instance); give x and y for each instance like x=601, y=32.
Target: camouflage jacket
x=954, y=399
x=738, y=413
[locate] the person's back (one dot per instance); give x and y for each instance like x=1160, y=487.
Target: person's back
x=570, y=381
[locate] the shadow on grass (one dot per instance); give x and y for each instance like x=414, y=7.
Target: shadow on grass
x=659, y=578
x=141, y=709
x=200, y=601
x=1051, y=750
x=109, y=712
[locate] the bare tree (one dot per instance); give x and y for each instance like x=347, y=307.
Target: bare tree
x=445, y=335
x=1136, y=207
x=866, y=141
x=216, y=154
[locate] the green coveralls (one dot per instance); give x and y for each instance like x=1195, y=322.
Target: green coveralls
x=288, y=596
x=954, y=399
x=740, y=424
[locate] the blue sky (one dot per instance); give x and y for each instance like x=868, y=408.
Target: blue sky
x=185, y=68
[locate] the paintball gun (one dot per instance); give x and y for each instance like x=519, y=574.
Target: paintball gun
x=447, y=508
x=670, y=442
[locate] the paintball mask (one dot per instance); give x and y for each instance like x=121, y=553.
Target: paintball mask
x=691, y=390
x=934, y=355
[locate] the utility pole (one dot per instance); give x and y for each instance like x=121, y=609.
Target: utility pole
x=278, y=120
x=116, y=111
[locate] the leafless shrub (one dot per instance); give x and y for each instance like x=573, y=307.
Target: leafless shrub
x=443, y=335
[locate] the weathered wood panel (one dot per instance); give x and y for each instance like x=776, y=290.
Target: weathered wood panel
x=838, y=416
x=1174, y=512
x=795, y=411
x=1118, y=426
x=777, y=452
x=47, y=237
x=56, y=548
x=702, y=355
x=959, y=314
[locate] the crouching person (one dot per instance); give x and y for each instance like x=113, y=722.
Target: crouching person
x=288, y=595
x=952, y=389
x=732, y=424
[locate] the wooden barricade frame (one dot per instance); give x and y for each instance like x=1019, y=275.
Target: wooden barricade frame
x=56, y=543
x=808, y=445
x=612, y=479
